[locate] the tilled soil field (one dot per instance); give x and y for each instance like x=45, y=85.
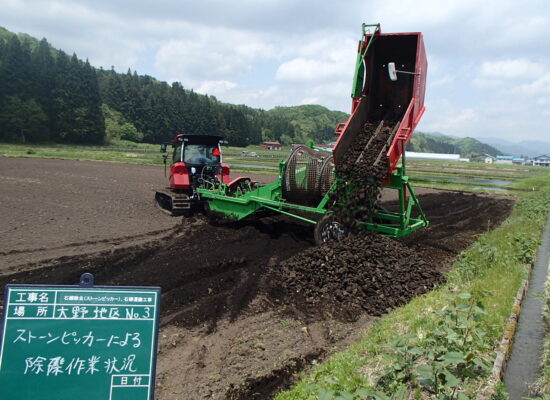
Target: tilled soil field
x=246, y=306
x=50, y=209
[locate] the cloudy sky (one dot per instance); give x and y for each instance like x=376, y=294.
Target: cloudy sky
x=489, y=61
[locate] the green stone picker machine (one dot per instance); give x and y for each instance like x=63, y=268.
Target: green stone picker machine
x=315, y=184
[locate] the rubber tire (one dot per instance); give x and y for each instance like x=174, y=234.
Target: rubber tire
x=328, y=229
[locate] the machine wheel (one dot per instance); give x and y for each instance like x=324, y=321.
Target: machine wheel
x=328, y=229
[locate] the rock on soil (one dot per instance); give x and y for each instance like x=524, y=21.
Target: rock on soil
x=365, y=272
x=365, y=165
x=363, y=158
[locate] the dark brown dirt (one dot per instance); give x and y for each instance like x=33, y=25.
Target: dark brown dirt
x=363, y=272
x=365, y=157
x=53, y=208
x=455, y=220
x=60, y=208
x=223, y=335
x=363, y=169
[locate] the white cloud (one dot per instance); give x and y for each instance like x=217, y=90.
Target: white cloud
x=216, y=88
x=511, y=68
x=302, y=69
x=231, y=92
x=211, y=54
x=419, y=13
x=539, y=86
x=486, y=83
x=323, y=56
x=265, y=98
x=310, y=100
x=90, y=32
x=442, y=81
x=443, y=116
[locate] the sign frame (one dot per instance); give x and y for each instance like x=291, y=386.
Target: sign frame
x=87, y=282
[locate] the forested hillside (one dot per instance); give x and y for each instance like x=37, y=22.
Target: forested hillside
x=48, y=96
x=307, y=122
x=466, y=147
x=159, y=111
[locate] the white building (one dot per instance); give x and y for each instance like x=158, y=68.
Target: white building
x=504, y=160
x=542, y=161
x=434, y=156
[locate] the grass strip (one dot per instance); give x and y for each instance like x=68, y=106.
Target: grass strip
x=490, y=271
x=543, y=383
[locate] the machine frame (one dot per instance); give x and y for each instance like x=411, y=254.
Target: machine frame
x=373, y=92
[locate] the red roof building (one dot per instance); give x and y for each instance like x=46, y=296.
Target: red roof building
x=271, y=145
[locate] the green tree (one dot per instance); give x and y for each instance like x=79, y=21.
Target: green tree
x=116, y=126
x=77, y=102
x=43, y=73
x=285, y=139
x=22, y=121
x=15, y=72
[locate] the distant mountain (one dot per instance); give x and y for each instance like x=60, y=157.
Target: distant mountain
x=440, y=134
x=439, y=143
x=530, y=148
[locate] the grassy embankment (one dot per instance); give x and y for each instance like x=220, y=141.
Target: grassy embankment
x=543, y=384
x=442, y=344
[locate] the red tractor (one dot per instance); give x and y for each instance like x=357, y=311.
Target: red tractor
x=196, y=163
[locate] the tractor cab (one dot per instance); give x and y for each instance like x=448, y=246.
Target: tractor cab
x=196, y=162
x=197, y=150
x=196, y=159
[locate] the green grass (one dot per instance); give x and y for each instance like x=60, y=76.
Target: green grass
x=136, y=153
x=143, y=156
x=131, y=145
x=458, y=176
x=543, y=383
x=436, y=174
x=505, y=168
x=463, y=186
x=492, y=270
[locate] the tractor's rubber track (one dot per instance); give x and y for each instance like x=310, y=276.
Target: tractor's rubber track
x=173, y=203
